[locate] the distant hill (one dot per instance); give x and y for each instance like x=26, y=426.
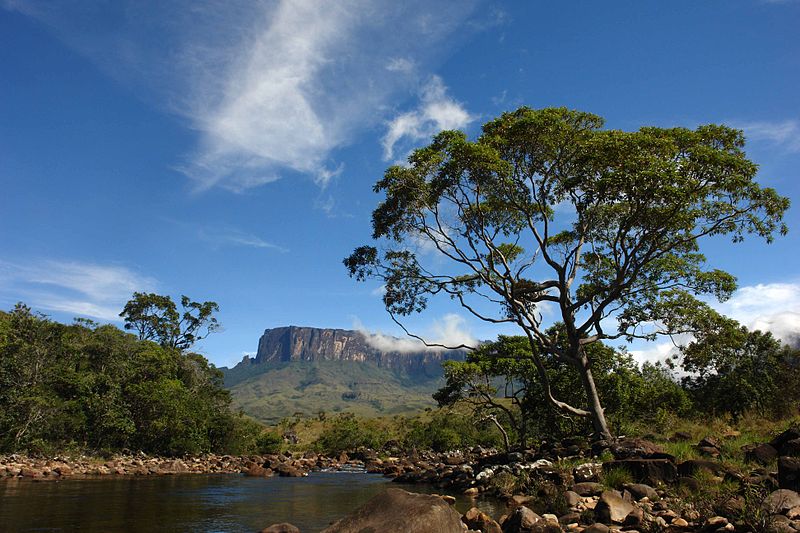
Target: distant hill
x=308, y=370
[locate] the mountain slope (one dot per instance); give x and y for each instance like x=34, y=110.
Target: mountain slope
x=308, y=370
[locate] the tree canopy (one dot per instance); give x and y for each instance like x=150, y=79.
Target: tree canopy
x=156, y=317
x=547, y=212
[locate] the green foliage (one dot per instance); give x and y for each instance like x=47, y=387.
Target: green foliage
x=346, y=432
x=625, y=247
x=155, y=317
x=501, y=378
x=269, y=442
x=734, y=371
x=447, y=430
x=102, y=389
x=616, y=478
x=271, y=391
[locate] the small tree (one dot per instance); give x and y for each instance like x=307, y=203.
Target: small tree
x=156, y=317
x=734, y=370
x=546, y=209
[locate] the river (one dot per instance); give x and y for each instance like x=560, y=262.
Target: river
x=192, y=503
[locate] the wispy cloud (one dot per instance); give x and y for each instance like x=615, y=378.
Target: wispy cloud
x=783, y=134
x=227, y=236
x=84, y=289
x=436, y=111
x=773, y=307
x=450, y=330
x=272, y=88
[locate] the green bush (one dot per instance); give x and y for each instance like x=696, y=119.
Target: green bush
x=345, y=433
x=269, y=442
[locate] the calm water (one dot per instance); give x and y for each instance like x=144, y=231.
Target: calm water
x=196, y=503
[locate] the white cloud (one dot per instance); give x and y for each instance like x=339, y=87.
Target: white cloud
x=450, y=330
x=272, y=87
x=436, y=111
x=84, y=289
x=785, y=134
x=773, y=307
x=400, y=64
x=226, y=236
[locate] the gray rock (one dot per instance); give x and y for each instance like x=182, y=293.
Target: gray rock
x=588, y=488
x=587, y=472
x=521, y=520
x=640, y=490
x=399, y=511
x=612, y=508
x=480, y=521
x=572, y=498
x=782, y=500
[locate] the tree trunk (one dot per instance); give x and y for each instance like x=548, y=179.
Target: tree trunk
x=595, y=408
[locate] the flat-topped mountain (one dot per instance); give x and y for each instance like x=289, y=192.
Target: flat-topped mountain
x=295, y=343
x=308, y=370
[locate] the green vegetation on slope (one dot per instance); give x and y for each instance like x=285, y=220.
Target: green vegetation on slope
x=270, y=392
x=90, y=387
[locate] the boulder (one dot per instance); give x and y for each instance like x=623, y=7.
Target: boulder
x=634, y=519
x=287, y=470
x=283, y=527
x=780, y=441
x=690, y=467
x=480, y=521
x=587, y=472
x=789, y=473
x=648, y=471
x=782, y=500
x=597, y=528
x=258, y=471
x=760, y=453
x=791, y=448
x=588, y=488
x=637, y=448
x=612, y=508
x=399, y=511
x=524, y=520
x=572, y=498
x=640, y=490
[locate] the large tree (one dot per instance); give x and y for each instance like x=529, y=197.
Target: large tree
x=156, y=317
x=548, y=211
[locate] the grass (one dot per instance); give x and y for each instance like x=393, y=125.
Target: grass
x=616, y=478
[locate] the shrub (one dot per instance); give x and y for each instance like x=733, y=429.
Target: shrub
x=269, y=442
x=346, y=433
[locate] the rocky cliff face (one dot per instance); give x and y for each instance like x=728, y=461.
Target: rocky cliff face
x=295, y=343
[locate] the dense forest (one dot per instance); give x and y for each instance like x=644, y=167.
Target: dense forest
x=95, y=387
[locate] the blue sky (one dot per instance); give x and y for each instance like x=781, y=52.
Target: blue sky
x=227, y=150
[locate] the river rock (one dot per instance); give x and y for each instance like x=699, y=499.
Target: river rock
x=524, y=520
x=588, y=488
x=612, y=508
x=480, y=521
x=284, y=527
x=399, y=511
x=640, y=490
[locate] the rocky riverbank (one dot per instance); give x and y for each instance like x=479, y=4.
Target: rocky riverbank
x=573, y=485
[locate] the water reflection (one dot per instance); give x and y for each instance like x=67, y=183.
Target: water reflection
x=196, y=503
